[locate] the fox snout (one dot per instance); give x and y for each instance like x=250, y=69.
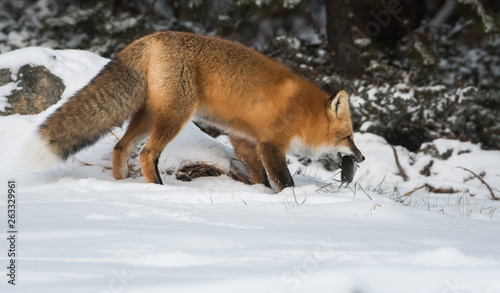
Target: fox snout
x=332, y=161
x=358, y=156
x=352, y=151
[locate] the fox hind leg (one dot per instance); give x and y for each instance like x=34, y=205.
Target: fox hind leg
x=169, y=117
x=162, y=133
x=137, y=130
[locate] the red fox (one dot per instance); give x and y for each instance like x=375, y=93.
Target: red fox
x=163, y=80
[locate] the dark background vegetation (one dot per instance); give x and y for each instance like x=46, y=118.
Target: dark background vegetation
x=416, y=70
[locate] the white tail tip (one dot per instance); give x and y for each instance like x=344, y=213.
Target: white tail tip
x=37, y=155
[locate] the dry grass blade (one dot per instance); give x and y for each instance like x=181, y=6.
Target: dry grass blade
x=197, y=170
x=117, y=138
x=239, y=176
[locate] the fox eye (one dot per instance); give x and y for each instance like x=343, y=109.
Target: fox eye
x=348, y=137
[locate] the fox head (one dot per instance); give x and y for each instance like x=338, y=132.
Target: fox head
x=332, y=138
x=340, y=134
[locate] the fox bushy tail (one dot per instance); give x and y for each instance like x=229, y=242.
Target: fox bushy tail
x=111, y=97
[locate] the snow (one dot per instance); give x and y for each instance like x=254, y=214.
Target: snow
x=488, y=20
x=82, y=231
x=37, y=155
x=5, y=91
x=76, y=68
x=435, y=88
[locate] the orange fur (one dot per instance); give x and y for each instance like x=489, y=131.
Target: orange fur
x=263, y=105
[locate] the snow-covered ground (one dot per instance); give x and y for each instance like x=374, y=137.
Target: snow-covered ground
x=79, y=230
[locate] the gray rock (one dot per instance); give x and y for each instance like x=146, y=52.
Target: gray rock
x=5, y=76
x=39, y=90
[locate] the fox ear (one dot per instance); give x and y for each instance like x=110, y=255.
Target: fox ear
x=338, y=104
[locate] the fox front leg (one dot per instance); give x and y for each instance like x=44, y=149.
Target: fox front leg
x=274, y=160
x=247, y=153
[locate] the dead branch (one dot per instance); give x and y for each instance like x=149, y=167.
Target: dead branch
x=414, y=190
x=493, y=196
x=433, y=189
x=81, y=162
x=402, y=172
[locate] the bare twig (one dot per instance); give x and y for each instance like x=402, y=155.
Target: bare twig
x=402, y=172
x=414, y=190
x=117, y=138
x=493, y=196
x=81, y=162
x=433, y=189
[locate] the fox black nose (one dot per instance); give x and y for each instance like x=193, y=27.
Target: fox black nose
x=359, y=158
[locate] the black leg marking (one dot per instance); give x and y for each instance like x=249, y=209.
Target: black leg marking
x=266, y=179
x=275, y=163
x=158, y=177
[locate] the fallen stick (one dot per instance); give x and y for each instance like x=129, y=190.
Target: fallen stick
x=402, y=172
x=433, y=189
x=493, y=197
